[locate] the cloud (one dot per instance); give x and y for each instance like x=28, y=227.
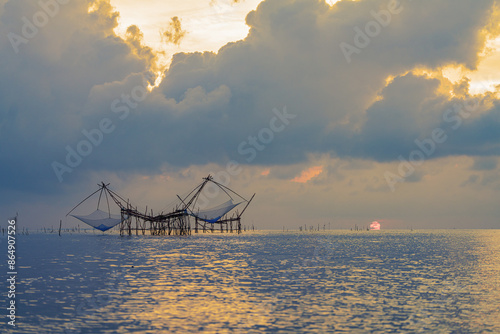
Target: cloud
x=46, y=85
x=135, y=38
x=69, y=76
x=174, y=32
x=485, y=163
x=308, y=174
x=231, y=2
x=473, y=179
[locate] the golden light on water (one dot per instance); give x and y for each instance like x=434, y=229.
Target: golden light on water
x=263, y=281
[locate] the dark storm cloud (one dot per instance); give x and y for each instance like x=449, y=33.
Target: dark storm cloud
x=75, y=72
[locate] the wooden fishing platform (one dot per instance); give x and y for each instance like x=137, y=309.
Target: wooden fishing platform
x=176, y=222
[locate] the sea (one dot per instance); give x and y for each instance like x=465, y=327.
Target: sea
x=387, y=281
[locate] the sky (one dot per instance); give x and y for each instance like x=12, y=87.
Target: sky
x=334, y=113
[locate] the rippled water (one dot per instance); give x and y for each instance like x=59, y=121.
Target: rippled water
x=315, y=282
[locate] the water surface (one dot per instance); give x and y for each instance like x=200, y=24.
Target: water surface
x=314, y=282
